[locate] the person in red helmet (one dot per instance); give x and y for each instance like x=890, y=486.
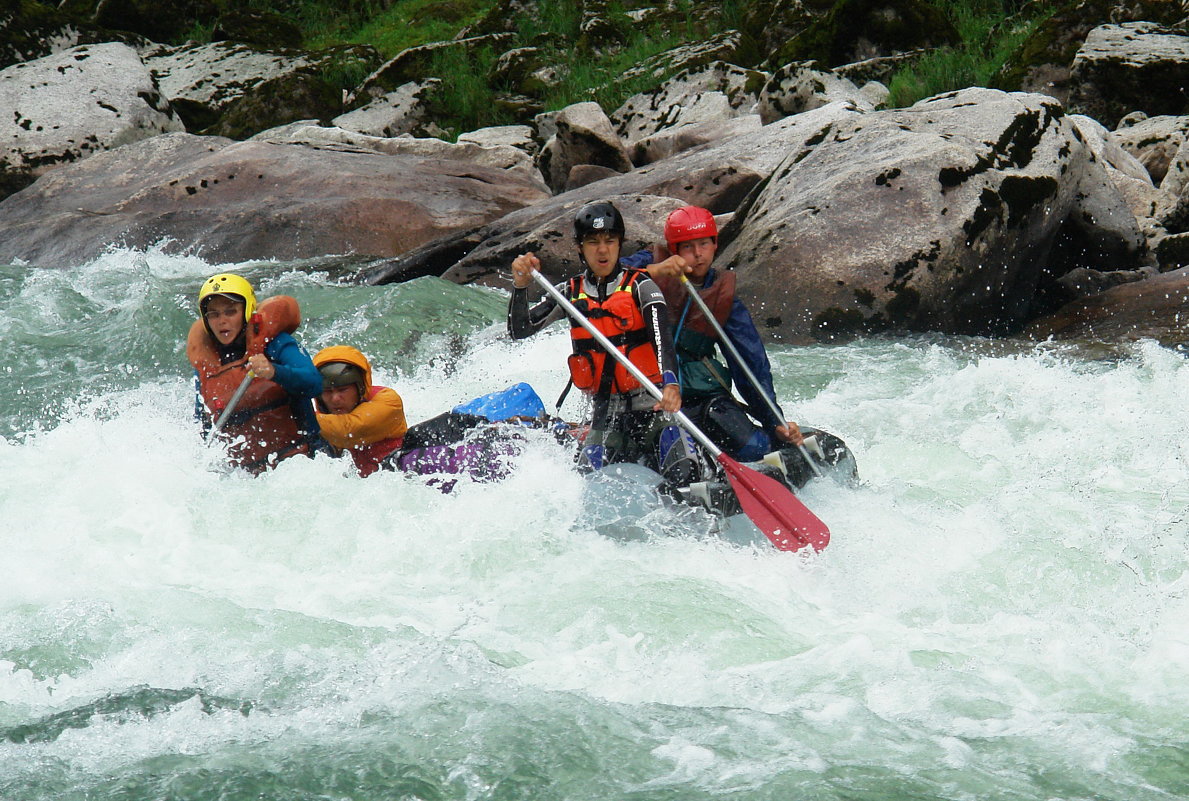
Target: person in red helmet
x=625, y=304
x=706, y=382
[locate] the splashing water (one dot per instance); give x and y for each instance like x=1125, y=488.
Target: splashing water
x=1001, y=613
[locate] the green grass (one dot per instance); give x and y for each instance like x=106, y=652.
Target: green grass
x=470, y=102
x=602, y=81
x=986, y=46
x=405, y=24
x=558, y=18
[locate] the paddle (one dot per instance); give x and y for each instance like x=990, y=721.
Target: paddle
x=755, y=382
x=231, y=404
x=766, y=502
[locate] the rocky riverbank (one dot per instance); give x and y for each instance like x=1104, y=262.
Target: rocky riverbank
x=1058, y=208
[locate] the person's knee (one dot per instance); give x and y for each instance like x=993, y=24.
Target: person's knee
x=754, y=448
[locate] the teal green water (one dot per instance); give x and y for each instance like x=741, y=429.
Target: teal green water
x=1001, y=613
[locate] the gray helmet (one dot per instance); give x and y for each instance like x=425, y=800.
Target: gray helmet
x=340, y=374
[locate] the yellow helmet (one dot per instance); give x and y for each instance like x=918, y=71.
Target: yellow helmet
x=228, y=284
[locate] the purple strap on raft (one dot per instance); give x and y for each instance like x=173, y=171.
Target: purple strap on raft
x=482, y=461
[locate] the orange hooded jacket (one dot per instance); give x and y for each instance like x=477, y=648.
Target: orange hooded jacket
x=373, y=429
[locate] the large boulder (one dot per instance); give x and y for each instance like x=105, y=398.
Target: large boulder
x=1041, y=63
x=670, y=141
x=496, y=156
x=30, y=30
x=1135, y=66
x=717, y=177
x=584, y=136
x=416, y=63
x=204, y=81
x=65, y=107
x=1126, y=172
x=801, y=86
x=725, y=46
x=298, y=95
x=1153, y=141
x=958, y=214
x=711, y=93
x=1150, y=309
x=239, y=201
x=517, y=136
x=405, y=110
x=1158, y=145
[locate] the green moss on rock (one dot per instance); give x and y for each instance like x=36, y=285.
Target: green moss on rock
x=835, y=323
x=296, y=96
x=852, y=28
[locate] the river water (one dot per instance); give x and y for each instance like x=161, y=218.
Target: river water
x=1002, y=612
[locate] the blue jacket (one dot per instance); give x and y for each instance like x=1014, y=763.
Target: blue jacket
x=746, y=338
x=298, y=376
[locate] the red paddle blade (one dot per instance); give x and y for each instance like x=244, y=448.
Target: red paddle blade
x=774, y=509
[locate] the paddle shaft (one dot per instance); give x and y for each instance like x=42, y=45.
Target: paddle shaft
x=236, y=397
x=619, y=356
x=755, y=382
x=787, y=523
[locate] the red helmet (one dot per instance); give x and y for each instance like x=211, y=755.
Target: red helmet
x=686, y=223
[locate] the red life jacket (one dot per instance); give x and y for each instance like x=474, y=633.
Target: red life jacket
x=718, y=296
x=620, y=319
x=367, y=458
x=262, y=428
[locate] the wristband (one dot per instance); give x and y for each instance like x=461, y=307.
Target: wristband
x=668, y=377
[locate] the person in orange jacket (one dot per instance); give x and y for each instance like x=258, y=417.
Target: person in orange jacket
x=366, y=420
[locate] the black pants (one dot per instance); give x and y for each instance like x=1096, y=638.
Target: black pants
x=727, y=423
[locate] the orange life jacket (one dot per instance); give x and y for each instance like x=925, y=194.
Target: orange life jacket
x=620, y=319
x=262, y=429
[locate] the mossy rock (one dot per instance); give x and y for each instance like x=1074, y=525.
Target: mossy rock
x=771, y=23
x=854, y=30
x=425, y=61
x=31, y=29
x=160, y=22
x=502, y=17
x=604, y=33
x=261, y=28
x=346, y=66
x=301, y=95
x=1061, y=32
x=448, y=10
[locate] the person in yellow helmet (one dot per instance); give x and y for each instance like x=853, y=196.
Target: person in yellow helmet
x=235, y=337
x=355, y=415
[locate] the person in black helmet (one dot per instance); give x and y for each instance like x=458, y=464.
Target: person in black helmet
x=626, y=425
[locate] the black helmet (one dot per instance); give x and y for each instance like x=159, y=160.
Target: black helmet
x=597, y=218
x=340, y=374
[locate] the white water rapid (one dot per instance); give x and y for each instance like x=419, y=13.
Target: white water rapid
x=1002, y=612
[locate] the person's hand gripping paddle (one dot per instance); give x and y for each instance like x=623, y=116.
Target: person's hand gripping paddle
x=766, y=502
x=755, y=382
x=236, y=397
